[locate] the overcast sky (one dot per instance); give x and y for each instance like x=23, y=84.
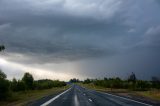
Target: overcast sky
x=62, y=39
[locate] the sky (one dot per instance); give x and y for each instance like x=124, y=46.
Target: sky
x=63, y=39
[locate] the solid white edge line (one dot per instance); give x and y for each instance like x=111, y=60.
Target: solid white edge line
x=126, y=99
x=54, y=98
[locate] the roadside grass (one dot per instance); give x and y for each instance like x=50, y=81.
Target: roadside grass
x=98, y=88
x=22, y=98
x=151, y=94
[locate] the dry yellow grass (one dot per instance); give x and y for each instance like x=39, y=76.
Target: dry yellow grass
x=21, y=98
x=152, y=94
x=98, y=88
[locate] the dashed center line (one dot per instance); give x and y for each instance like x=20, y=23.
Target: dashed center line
x=76, y=100
x=90, y=100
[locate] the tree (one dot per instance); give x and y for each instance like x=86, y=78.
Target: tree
x=4, y=85
x=87, y=81
x=28, y=80
x=74, y=80
x=2, y=75
x=132, y=81
x=14, y=85
x=155, y=82
x=2, y=47
x=132, y=78
x=21, y=86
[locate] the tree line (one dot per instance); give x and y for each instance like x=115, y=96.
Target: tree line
x=132, y=83
x=26, y=83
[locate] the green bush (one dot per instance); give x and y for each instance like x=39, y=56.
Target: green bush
x=87, y=81
x=143, y=85
x=155, y=82
x=46, y=84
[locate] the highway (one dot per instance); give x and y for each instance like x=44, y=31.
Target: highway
x=79, y=96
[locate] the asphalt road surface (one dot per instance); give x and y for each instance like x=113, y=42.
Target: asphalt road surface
x=78, y=96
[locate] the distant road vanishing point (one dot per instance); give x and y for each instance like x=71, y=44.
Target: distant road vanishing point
x=79, y=96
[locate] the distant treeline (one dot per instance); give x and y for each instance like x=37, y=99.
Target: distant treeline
x=26, y=83
x=132, y=83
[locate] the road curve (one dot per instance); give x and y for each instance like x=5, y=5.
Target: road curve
x=78, y=96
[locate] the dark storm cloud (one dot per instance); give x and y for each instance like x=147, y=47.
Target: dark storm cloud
x=51, y=43
x=55, y=35
x=113, y=36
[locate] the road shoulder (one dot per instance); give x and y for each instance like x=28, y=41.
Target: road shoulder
x=126, y=94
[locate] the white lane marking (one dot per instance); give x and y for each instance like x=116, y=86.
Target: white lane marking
x=127, y=99
x=76, y=102
x=90, y=100
x=51, y=100
x=84, y=94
